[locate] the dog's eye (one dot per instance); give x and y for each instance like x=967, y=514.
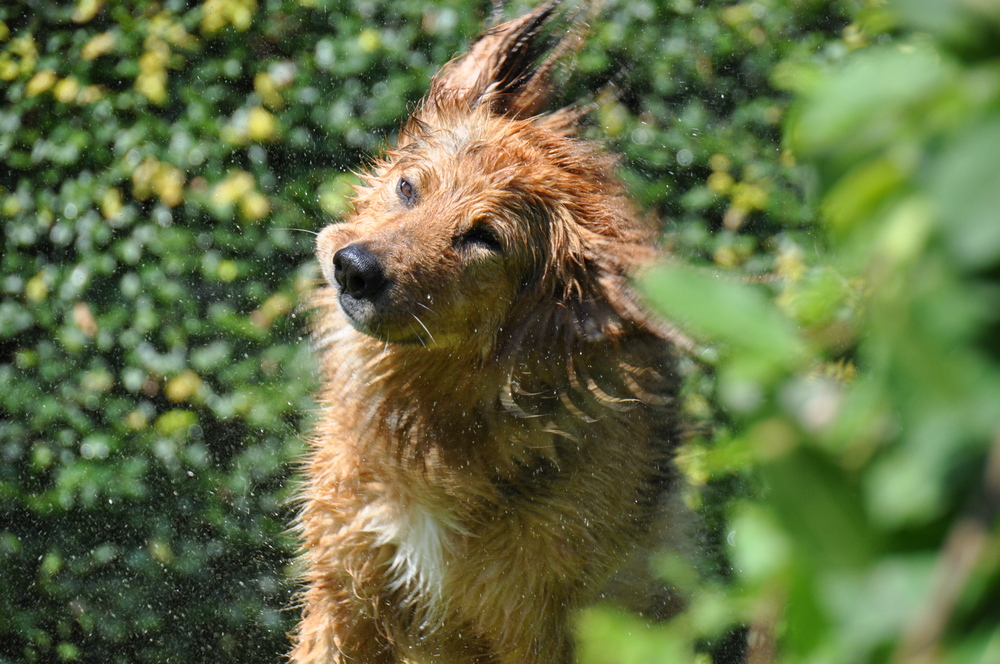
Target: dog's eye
x=482, y=236
x=407, y=192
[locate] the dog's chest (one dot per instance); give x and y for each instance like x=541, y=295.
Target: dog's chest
x=420, y=541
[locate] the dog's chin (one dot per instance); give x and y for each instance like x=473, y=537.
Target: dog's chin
x=364, y=316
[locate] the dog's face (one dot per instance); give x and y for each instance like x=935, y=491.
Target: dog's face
x=486, y=209
x=443, y=239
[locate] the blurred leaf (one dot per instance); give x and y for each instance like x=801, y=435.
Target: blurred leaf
x=822, y=508
x=714, y=307
x=861, y=104
x=966, y=191
x=871, y=609
x=610, y=637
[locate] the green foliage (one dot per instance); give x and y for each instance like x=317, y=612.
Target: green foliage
x=158, y=160
x=876, y=537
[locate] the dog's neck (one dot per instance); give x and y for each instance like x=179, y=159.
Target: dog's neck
x=455, y=384
x=440, y=401
x=540, y=382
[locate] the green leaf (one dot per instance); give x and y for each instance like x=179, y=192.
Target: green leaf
x=965, y=185
x=717, y=308
x=863, y=103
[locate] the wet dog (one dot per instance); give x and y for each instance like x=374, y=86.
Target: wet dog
x=498, y=412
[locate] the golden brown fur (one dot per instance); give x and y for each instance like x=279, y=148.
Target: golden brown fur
x=498, y=414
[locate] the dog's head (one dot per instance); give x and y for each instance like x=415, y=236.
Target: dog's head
x=486, y=210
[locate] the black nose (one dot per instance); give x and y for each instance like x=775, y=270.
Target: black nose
x=358, y=271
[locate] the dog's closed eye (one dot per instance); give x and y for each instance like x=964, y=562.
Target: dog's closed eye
x=407, y=192
x=480, y=236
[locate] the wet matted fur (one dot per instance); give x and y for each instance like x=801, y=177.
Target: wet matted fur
x=498, y=413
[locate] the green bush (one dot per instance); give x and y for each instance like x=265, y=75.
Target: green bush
x=162, y=165
x=868, y=394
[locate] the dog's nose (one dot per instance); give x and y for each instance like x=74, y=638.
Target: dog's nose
x=358, y=271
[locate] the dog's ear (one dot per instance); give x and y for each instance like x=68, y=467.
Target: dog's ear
x=510, y=66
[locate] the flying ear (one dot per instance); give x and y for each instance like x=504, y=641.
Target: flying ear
x=510, y=66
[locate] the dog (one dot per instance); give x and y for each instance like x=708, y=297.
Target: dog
x=498, y=411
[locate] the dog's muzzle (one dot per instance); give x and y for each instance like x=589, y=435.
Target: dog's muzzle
x=360, y=279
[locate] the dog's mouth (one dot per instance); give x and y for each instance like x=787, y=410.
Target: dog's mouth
x=369, y=318
x=361, y=312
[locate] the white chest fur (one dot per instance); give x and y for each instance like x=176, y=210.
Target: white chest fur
x=422, y=540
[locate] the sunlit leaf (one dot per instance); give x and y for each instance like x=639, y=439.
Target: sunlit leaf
x=717, y=308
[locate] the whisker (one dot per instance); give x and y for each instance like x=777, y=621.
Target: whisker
x=301, y=230
x=417, y=318
x=381, y=356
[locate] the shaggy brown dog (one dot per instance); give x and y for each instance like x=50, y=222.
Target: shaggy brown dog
x=498, y=414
